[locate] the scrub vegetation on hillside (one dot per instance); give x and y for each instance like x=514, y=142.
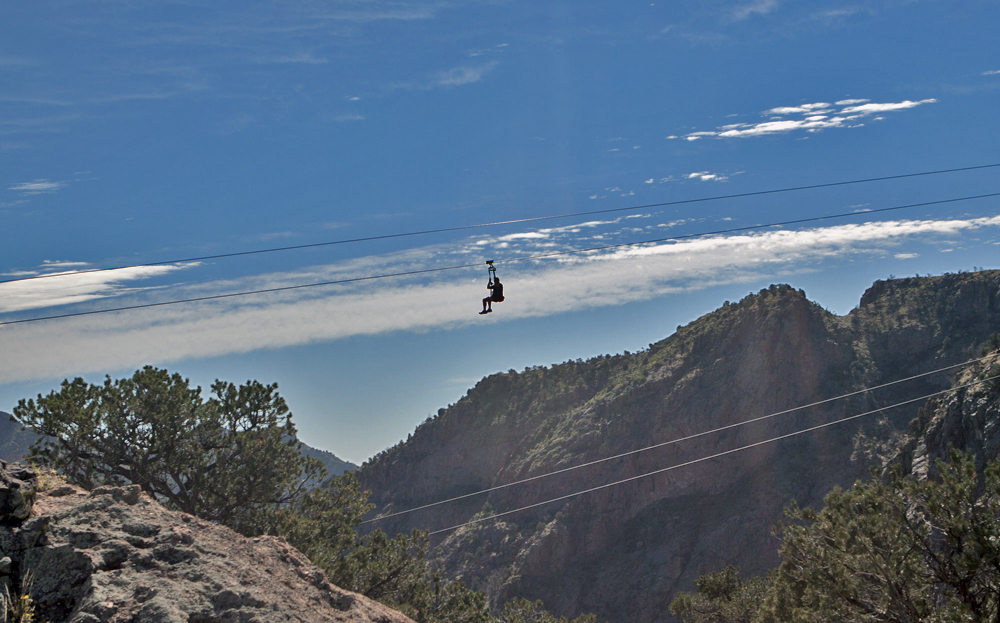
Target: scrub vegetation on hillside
x=919, y=540
x=233, y=459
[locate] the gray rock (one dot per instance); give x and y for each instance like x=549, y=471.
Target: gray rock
x=17, y=492
x=117, y=555
x=61, y=577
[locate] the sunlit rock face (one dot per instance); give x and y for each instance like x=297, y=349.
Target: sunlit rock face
x=622, y=552
x=114, y=554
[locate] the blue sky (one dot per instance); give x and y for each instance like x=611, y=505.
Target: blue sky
x=135, y=132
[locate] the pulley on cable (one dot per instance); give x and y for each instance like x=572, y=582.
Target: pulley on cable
x=495, y=288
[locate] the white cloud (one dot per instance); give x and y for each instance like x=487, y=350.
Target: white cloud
x=867, y=109
x=791, y=110
x=707, y=176
x=68, y=288
x=906, y=256
x=532, y=235
x=813, y=117
x=38, y=187
x=57, y=265
x=451, y=299
x=650, y=181
x=759, y=7
x=464, y=75
x=696, y=135
x=993, y=72
x=349, y=117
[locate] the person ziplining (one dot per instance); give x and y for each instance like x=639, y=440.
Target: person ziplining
x=495, y=288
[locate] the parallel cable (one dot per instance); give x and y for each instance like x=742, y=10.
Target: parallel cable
x=671, y=442
x=508, y=222
x=479, y=264
x=708, y=458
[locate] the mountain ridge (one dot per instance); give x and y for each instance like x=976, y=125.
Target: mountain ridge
x=625, y=551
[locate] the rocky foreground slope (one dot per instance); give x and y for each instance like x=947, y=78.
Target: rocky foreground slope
x=114, y=554
x=624, y=551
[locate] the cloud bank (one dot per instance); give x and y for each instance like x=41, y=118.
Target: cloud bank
x=448, y=300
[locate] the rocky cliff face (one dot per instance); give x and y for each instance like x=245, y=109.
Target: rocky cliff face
x=624, y=551
x=968, y=420
x=114, y=554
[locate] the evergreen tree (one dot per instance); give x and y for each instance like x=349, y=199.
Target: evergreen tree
x=722, y=597
x=897, y=549
x=231, y=459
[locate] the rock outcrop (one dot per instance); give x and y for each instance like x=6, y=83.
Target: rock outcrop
x=17, y=492
x=623, y=552
x=114, y=554
x=967, y=420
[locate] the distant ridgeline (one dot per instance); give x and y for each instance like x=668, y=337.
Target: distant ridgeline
x=334, y=466
x=623, y=552
x=14, y=441
x=14, y=444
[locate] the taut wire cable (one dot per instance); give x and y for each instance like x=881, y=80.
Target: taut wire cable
x=671, y=442
x=479, y=264
x=508, y=222
x=708, y=458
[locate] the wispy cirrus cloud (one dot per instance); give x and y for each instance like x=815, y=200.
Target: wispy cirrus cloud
x=536, y=288
x=38, y=187
x=367, y=11
x=464, y=74
x=992, y=72
x=814, y=117
x=454, y=77
x=305, y=58
x=757, y=7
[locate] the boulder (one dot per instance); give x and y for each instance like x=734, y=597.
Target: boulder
x=17, y=492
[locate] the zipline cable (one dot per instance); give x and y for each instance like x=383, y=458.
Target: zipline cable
x=509, y=222
x=479, y=264
x=671, y=442
x=708, y=458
